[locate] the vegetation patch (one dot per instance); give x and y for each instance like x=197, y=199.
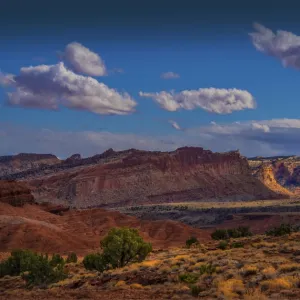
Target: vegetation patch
x=225, y=234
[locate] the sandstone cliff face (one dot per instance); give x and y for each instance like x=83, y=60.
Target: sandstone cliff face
x=286, y=170
x=141, y=177
x=23, y=161
x=15, y=193
x=266, y=175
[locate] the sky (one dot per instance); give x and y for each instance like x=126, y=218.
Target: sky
x=82, y=78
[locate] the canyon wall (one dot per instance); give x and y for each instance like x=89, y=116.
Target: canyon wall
x=136, y=177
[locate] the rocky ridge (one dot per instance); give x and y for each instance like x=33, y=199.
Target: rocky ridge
x=12, y=164
x=135, y=177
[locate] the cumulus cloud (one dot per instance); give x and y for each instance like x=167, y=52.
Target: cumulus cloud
x=220, y=101
x=169, y=75
x=175, y=125
x=283, y=45
x=83, y=60
x=48, y=86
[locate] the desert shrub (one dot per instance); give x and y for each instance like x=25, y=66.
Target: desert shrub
x=283, y=229
x=220, y=234
x=95, y=261
x=189, y=277
x=56, y=260
x=35, y=269
x=191, y=241
x=72, y=258
x=237, y=245
x=124, y=245
x=223, y=245
x=120, y=247
x=207, y=269
x=249, y=270
x=20, y=261
x=224, y=234
x=42, y=272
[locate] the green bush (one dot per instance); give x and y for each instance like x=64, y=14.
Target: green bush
x=57, y=260
x=95, y=261
x=72, y=258
x=124, y=245
x=207, y=269
x=20, y=261
x=225, y=234
x=42, y=272
x=189, y=277
x=120, y=247
x=220, y=234
x=283, y=229
x=35, y=269
x=191, y=241
x=223, y=245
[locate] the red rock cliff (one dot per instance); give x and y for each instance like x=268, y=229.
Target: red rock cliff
x=139, y=177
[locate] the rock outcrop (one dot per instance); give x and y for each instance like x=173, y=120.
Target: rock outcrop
x=136, y=177
x=285, y=170
x=25, y=161
x=15, y=193
x=266, y=175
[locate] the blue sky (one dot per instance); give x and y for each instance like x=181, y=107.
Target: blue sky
x=220, y=56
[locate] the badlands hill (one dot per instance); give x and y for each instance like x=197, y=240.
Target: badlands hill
x=134, y=177
x=32, y=227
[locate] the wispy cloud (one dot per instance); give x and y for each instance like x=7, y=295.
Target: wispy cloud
x=175, y=125
x=264, y=137
x=220, y=101
x=283, y=45
x=169, y=75
x=116, y=71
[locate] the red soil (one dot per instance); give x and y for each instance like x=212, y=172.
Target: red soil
x=80, y=231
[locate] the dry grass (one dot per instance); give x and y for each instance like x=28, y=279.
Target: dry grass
x=238, y=273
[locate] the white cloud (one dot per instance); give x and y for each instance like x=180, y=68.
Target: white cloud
x=48, y=86
x=257, y=126
x=283, y=45
x=6, y=79
x=220, y=101
x=169, y=75
x=175, y=125
x=83, y=60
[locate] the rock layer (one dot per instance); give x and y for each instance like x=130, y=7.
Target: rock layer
x=15, y=193
x=140, y=177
